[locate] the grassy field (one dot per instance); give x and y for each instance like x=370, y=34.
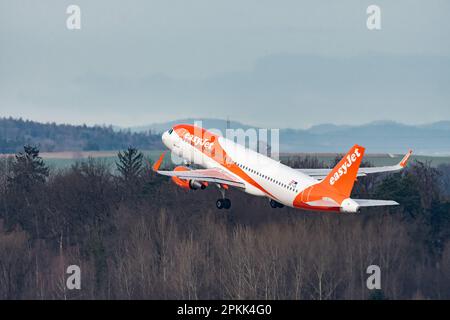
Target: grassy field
x=59, y=160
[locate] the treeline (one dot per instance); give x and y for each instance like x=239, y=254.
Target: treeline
x=138, y=236
x=15, y=133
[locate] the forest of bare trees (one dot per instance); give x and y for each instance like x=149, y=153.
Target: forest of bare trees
x=138, y=236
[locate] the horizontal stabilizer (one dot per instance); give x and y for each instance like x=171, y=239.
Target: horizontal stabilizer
x=375, y=203
x=329, y=203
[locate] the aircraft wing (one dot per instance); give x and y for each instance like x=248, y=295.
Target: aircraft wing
x=322, y=173
x=214, y=175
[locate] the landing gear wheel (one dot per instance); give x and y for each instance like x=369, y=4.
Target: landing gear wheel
x=274, y=204
x=227, y=203
x=223, y=204
x=220, y=204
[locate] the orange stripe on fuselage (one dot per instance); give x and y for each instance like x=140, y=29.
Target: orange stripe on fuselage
x=208, y=143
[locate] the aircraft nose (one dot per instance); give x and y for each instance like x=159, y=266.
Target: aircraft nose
x=165, y=138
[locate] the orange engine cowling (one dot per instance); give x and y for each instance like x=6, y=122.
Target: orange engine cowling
x=188, y=184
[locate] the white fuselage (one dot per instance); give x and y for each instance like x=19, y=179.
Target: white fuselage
x=269, y=178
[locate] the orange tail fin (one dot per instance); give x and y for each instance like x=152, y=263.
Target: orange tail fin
x=343, y=175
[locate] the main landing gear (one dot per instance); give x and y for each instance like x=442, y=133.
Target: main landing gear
x=223, y=203
x=274, y=204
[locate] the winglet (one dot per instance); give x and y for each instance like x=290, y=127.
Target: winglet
x=404, y=161
x=158, y=163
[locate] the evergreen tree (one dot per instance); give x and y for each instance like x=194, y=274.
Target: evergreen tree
x=402, y=188
x=28, y=169
x=130, y=164
x=25, y=191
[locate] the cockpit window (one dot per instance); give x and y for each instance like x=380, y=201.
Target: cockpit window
x=170, y=131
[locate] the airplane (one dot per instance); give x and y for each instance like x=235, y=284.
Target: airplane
x=228, y=164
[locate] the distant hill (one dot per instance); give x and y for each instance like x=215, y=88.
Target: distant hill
x=377, y=137
x=206, y=123
x=15, y=133
x=385, y=136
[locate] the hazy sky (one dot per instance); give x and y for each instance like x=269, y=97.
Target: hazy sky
x=268, y=63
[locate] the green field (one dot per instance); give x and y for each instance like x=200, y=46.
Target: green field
x=59, y=162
